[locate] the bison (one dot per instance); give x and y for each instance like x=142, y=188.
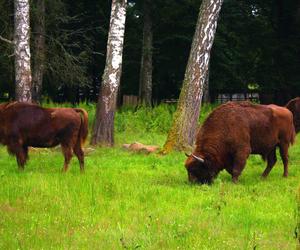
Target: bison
x=294, y=106
x=235, y=130
x=24, y=124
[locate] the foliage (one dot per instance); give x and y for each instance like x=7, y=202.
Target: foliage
x=127, y=200
x=7, y=50
x=145, y=119
x=256, y=42
x=69, y=45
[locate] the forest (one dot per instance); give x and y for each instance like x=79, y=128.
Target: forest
x=256, y=46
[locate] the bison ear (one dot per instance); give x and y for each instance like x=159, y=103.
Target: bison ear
x=188, y=152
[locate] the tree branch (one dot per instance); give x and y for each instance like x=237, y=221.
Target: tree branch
x=6, y=40
x=97, y=53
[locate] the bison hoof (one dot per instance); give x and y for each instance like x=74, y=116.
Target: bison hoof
x=235, y=180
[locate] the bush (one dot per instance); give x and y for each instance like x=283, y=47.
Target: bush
x=144, y=119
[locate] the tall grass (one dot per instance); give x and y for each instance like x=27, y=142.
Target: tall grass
x=297, y=229
x=143, y=124
x=133, y=201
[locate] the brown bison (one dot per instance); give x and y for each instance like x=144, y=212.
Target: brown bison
x=294, y=106
x=232, y=132
x=24, y=124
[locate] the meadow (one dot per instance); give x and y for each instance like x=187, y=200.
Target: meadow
x=127, y=200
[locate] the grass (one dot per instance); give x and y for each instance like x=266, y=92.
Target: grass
x=132, y=201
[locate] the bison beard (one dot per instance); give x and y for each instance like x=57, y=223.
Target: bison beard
x=232, y=132
x=24, y=124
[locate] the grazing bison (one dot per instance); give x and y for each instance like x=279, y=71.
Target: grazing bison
x=294, y=106
x=24, y=124
x=232, y=132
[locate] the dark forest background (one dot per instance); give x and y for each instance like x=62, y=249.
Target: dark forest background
x=256, y=48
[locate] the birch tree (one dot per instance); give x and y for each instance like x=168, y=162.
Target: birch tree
x=103, y=130
x=22, y=51
x=182, y=133
x=206, y=96
x=145, y=88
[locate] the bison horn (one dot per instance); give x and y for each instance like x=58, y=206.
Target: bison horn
x=197, y=158
x=187, y=155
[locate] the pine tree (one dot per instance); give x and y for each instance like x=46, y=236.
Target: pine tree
x=39, y=51
x=145, y=88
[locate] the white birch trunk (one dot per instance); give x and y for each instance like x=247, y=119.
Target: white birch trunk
x=22, y=51
x=183, y=131
x=104, y=121
x=206, y=97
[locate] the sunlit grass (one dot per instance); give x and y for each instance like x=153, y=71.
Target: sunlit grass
x=135, y=201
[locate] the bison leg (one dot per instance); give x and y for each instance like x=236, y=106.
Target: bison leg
x=22, y=156
x=283, y=149
x=80, y=155
x=20, y=151
x=67, y=151
x=271, y=159
x=239, y=163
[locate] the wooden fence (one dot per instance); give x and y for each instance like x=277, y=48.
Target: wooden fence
x=130, y=100
x=225, y=97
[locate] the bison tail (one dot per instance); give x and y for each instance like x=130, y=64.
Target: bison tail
x=83, y=132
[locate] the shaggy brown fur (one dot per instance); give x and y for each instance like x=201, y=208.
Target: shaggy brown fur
x=24, y=124
x=294, y=106
x=232, y=132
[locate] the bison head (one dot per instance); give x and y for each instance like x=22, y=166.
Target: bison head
x=198, y=170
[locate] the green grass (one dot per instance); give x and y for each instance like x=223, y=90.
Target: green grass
x=133, y=201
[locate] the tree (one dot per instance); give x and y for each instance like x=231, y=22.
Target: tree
x=104, y=121
x=182, y=133
x=262, y=47
x=206, y=97
x=39, y=50
x=7, y=49
x=70, y=39
x=22, y=51
x=145, y=85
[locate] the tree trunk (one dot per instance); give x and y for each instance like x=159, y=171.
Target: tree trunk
x=145, y=89
x=22, y=51
x=39, y=51
x=206, y=97
x=104, y=120
x=182, y=133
